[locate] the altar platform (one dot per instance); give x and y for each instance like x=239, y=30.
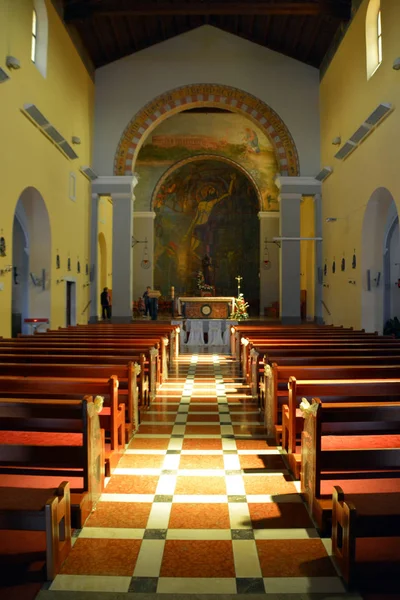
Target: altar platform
x=206, y=307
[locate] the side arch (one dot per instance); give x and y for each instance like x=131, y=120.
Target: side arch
x=221, y=96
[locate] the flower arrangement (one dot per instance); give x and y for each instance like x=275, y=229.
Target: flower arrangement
x=201, y=285
x=240, y=312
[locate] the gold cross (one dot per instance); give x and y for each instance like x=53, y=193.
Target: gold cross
x=239, y=279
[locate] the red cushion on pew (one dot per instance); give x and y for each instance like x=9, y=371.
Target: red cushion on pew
x=40, y=438
x=361, y=486
x=337, y=442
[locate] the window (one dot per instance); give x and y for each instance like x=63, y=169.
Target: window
x=39, y=36
x=34, y=36
x=373, y=37
x=379, y=37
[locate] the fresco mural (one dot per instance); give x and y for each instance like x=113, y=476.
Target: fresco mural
x=222, y=134
x=207, y=208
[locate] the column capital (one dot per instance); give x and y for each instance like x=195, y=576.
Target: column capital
x=290, y=196
x=145, y=214
x=268, y=215
x=306, y=186
x=115, y=185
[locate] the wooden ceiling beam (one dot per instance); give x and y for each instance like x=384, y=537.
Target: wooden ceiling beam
x=339, y=9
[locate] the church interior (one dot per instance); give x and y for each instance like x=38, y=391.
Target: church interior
x=234, y=429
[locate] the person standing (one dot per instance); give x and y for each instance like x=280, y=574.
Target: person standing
x=147, y=303
x=105, y=304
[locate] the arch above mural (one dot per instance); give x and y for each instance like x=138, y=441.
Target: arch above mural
x=202, y=158
x=214, y=95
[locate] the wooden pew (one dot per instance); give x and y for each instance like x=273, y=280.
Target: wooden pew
x=339, y=390
x=94, y=354
x=126, y=376
x=47, y=510
x=338, y=450
x=359, y=516
x=112, y=415
x=277, y=378
x=46, y=442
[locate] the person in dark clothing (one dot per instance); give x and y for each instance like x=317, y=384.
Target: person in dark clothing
x=147, y=311
x=105, y=304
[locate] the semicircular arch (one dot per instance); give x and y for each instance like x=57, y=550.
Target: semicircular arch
x=205, y=157
x=206, y=95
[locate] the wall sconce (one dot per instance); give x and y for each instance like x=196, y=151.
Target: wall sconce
x=352, y=281
x=396, y=64
x=6, y=269
x=76, y=140
x=86, y=284
x=13, y=63
x=337, y=141
x=60, y=280
x=331, y=219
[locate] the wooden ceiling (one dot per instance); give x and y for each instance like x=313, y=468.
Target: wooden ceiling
x=112, y=29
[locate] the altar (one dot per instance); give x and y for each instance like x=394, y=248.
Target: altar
x=207, y=307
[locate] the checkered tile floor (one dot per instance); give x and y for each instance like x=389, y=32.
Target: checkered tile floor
x=201, y=502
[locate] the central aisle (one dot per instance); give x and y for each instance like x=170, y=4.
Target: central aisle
x=201, y=502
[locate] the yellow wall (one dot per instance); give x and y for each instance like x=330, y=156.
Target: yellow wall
x=347, y=98
x=28, y=158
x=105, y=234
x=307, y=253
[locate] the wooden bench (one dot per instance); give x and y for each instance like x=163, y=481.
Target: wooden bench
x=93, y=355
x=30, y=509
x=353, y=445
x=371, y=562
x=112, y=415
x=339, y=390
x=277, y=378
x=46, y=442
x=126, y=376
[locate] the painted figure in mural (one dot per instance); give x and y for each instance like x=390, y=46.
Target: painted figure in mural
x=207, y=267
x=251, y=139
x=204, y=208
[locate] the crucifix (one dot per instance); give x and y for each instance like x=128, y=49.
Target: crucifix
x=238, y=279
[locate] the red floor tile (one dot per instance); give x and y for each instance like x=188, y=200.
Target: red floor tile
x=208, y=418
x=120, y=514
x=269, y=515
x=156, y=429
x=132, y=484
x=203, y=430
x=149, y=444
x=102, y=557
x=141, y=461
x=198, y=558
x=261, y=461
x=201, y=462
x=200, y=485
x=253, y=444
x=199, y=444
x=199, y=516
x=273, y=485
x=294, y=558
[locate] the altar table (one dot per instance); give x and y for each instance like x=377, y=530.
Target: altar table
x=212, y=307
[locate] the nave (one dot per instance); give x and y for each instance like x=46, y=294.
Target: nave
x=200, y=503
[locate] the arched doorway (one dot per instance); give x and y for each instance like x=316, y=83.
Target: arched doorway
x=31, y=260
x=207, y=207
x=379, y=257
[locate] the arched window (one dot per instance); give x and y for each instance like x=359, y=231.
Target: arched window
x=39, y=36
x=34, y=36
x=373, y=36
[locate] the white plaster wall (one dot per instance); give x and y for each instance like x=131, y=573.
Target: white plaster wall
x=207, y=55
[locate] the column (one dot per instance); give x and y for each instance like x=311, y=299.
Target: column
x=289, y=301
x=94, y=234
x=121, y=190
x=269, y=273
x=143, y=228
x=318, y=260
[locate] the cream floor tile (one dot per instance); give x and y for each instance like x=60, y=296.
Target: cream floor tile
x=235, y=485
x=258, y=452
x=202, y=472
x=171, y=461
x=196, y=585
x=297, y=485
x=202, y=452
x=246, y=558
x=175, y=444
x=148, y=563
x=231, y=462
x=111, y=533
x=180, y=420
x=127, y=498
x=200, y=499
x=178, y=430
x=166, y=485
x=184, y=407
x=228, y=444
x=303, y=585
x=285, y=534
x=239, y=515
x=203, y=436
x=257, y=498
x=198, y=534
x=159, y=515
x=91, y=583
x=226, y=430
